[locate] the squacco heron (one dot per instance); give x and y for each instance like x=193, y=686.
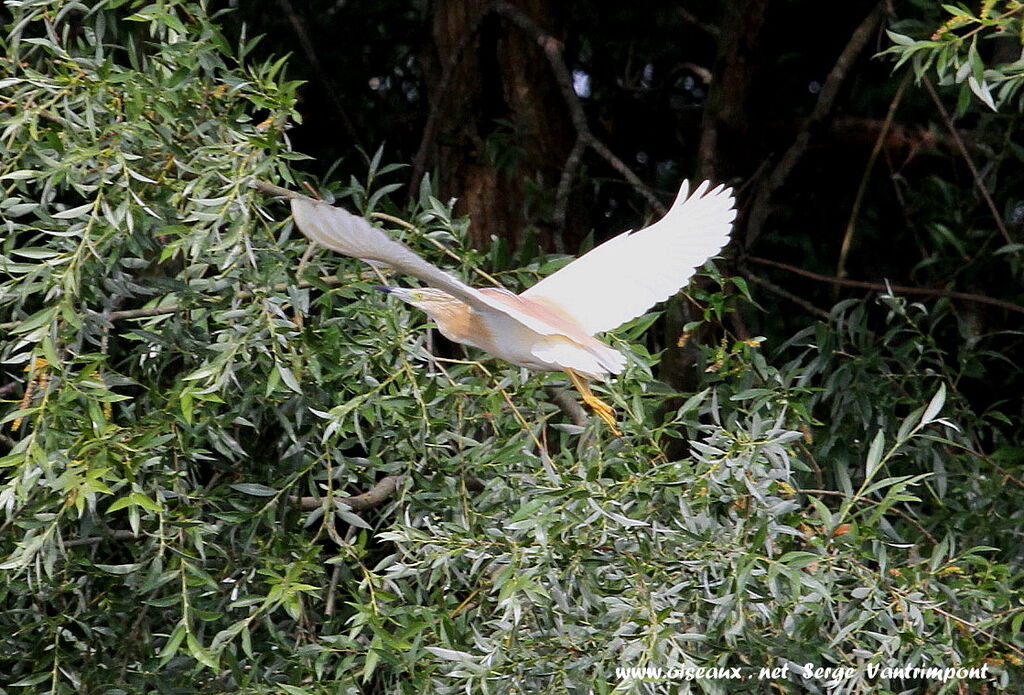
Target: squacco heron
x=551, y=326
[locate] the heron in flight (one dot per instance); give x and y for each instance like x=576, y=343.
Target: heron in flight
x=551, y=326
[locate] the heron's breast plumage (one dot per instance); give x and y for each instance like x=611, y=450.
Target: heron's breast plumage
x=503, y=336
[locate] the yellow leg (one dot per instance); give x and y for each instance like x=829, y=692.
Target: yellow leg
x=600, y=408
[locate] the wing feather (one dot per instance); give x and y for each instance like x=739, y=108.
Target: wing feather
x=626, y=275
x=341, y=231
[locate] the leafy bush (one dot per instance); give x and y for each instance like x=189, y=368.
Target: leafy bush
x=957, y=54
x=196, y=407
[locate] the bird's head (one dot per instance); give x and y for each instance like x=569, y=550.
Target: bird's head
x=437, y=304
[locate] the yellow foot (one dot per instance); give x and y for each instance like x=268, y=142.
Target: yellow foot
x=600, y=408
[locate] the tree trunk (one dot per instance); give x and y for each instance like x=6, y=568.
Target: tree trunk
x=724, y=152
x=501, y=133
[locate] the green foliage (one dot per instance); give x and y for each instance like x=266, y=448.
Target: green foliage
x=954, y=53
x=201, y=401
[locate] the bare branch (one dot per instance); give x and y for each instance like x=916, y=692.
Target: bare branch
x=862, y=188
x=687, y=16
x=971, y=626
x=626, y=172
x=552, y=48
x=569, y=406
x=332, y=592
x=880, y=287
x=572, y=164
x=118, y=535
x=271, y=189
x=381, y=492
x=786, y=294
x=318, y=69
x=419, y=163
x=823, y=107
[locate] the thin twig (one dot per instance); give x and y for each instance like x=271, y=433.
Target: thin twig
x=1006, y=475
x=687, y=16
x=552, y=48
x=896, y=510
x=968, y=624
x=419, y=162
x=332, y=592
x=119, y=535
x=553, y=51
x=627, y=173
x=318, y=69
x=844, y=248
x=998, y=218
x=786, y=294
x=140, y=313
x=819, y=477
x=572, y=164
x=822, y=108
x=880, y=287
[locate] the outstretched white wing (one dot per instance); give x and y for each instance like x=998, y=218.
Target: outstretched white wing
x=354, y=236
x=626, y=275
